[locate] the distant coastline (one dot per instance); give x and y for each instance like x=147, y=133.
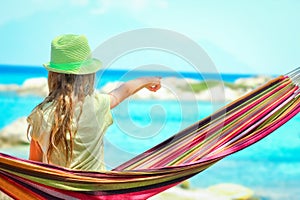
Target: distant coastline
x=183, y=86
x=119, y=73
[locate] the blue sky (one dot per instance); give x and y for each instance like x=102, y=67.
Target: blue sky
x=240, y=36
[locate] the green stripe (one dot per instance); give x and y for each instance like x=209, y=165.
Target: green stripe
x=70, y=66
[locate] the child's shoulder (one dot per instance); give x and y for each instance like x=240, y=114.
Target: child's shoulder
x=101, y=96
x=101, y=99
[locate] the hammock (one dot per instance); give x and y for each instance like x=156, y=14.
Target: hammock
x=231, y=129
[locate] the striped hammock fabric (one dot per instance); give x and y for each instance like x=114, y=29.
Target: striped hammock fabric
x=231, y=129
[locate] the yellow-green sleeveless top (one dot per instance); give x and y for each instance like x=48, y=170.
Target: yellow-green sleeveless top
x=88, y=148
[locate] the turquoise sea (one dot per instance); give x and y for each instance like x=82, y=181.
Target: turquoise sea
x=270, y=167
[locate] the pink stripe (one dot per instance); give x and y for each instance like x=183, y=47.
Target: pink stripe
x=257, y=117
x=260, y=135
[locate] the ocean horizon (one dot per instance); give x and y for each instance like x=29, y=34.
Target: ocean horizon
x=28, y=71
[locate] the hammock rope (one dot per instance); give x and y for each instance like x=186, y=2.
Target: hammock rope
x=232, y=128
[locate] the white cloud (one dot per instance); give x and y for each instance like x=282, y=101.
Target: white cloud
x=79, y=2
x=15, y=10
x=129, y=6
x=102, y=7
x=162, y=4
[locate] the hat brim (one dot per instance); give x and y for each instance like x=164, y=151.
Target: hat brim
x=86, y=67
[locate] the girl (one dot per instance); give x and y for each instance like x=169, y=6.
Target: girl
x=67, y=128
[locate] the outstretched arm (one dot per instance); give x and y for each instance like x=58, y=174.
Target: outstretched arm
x=129, y=88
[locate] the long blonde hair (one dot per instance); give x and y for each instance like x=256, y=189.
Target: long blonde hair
x=65, y=90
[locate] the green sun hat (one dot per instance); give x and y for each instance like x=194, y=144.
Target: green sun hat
x=71, y=54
